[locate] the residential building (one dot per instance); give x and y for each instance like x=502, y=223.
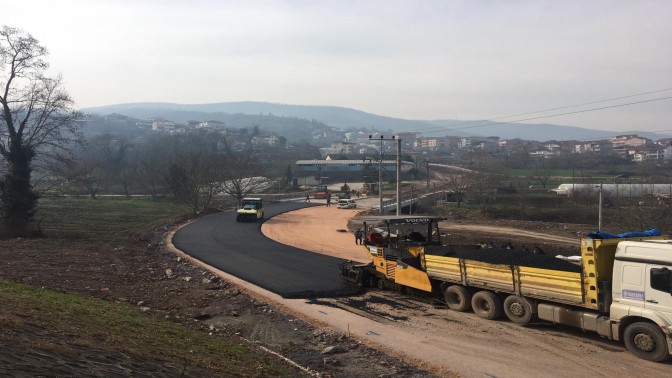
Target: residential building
x=211, y=125
x=163, y=125
x=649, y=155
x=265, y=140
x=338, y=148
x=628, y=140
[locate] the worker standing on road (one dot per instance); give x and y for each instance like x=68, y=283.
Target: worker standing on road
x=358, y=236
x=307, y=197
x=329, y=200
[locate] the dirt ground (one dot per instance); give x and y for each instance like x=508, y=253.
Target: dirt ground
x=143, y=273
x=377, y=333
x=447, y=342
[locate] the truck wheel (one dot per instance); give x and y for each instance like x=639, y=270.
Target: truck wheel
x=486, y=305
x=518, y=309
x=381, y=283
x=458, y=298
x=646, y=341
x=238, y=218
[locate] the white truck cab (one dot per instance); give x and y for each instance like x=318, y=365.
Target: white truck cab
x=641, y=308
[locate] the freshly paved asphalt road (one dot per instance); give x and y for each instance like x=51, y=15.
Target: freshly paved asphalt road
x=242, y=250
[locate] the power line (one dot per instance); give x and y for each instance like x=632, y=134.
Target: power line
x=568, y=113
x=492, y=123
x=584, y=104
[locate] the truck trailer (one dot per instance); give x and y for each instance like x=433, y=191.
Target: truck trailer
x=621, y=290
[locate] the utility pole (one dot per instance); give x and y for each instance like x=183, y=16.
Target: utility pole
x=380, y=173
x=410, y=208
x=427, y=161
x=380, y=177
x=398, y=176
x=599, y=216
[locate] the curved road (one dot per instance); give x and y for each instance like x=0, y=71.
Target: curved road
x=242, y=250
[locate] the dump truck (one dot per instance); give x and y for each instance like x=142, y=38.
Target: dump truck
x=251, y=210
x=621, y=289
x=321, y=192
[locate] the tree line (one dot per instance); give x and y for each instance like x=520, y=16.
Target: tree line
x=191, y=168
x=42, y=148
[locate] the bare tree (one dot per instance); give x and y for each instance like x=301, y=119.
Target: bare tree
x=542, y=174
x=86, y=170
x=114, y=153
x=484, y=189
x=36, y=123
x=459, y=182
x=242, y=176
x=196, y=179
x=154, y=158
x=96, y=164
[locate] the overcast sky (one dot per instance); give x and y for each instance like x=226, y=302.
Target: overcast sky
x=416, y=59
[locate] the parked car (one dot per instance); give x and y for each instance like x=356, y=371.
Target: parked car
x=346, y=204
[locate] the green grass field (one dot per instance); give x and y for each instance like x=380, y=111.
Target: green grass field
x=125, y=328
x=577, y=174
x=102, y=218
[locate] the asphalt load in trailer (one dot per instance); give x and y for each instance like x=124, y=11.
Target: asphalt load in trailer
x=505, y=256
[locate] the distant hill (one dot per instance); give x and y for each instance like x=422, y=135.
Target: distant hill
x=337, y=117
x=350, y=119
x=539, y=132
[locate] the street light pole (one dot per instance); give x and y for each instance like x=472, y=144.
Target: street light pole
x=427, y=160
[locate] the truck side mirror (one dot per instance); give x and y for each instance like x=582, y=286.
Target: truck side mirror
x=661, y=279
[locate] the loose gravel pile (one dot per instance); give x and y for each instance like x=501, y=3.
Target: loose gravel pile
x=505, y=256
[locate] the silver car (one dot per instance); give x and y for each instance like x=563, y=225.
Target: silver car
x=346, y=204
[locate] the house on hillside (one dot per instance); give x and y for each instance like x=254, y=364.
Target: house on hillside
x=265, y=140
x=628, y=140
x=599, y=147
x=543, y=154
x=649, y=155
x=211, y=125
x=338, y=148
x=163, y=125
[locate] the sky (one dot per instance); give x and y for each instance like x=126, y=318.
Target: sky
x=416, y=59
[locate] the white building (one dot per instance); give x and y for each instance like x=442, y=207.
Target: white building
x=339, y=148
x=163, y=125
x=616, y=190
x=643, y=156
x=667, y=157
x=265, y=140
